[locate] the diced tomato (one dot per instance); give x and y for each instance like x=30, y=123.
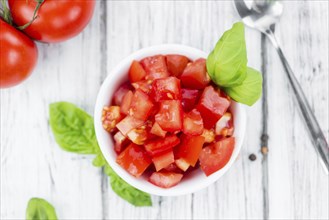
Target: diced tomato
x=166, y=89
x=110, y=117
x=145, y=85
x=120, y=142
x=126, y=101
x=224, y=125
x=128, y=123
x=209, y=135
x=189, y=98
x=138, y=135
x=157, y=130
x=172, y=168
x=165, y=179
x=212, y=106
x=193, y=124
x=195, y=75
x=189, y=149
x=155, y=67
x=134, y=159
x=136, y=72
x=141, y=105
x=160, y=145
x=216, y=156
x=182, y=164
x=163, y=160
x=170, y=116
x=176, y=64
x=118, y=95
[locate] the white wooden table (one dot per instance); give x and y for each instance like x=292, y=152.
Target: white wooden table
x=288, y=184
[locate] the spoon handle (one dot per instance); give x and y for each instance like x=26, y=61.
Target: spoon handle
x=318, y=138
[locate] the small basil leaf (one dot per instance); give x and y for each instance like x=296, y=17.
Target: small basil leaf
x=126, y=191
x=227, y=63
x=73, y=128
x=250, y=90
x=40, y=209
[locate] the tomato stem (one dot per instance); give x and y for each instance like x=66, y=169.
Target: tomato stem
x=35, y=16
x=5, y=13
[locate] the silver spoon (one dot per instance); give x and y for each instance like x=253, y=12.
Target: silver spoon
x=262, y=15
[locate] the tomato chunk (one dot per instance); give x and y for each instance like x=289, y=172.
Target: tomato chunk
x=169, y=116
x=161, y=145
x=118, y=95
x=163, y=160
x=110, y=117
x=120, y=142
x=216, y=156
x=193, y=124
x=189, y=149
x=165, y=179
x=141, y=105
x=126, y=102
x=134, y=159
x=155, y=67
x=176, y=64
x=136, y=72
x=189, y=98
x=224, y=125
x=129, y=123
x=145, y=85
x=166, y=89
x=157, y=130
x=195, y=75
x=212, y=106
x=138, y=135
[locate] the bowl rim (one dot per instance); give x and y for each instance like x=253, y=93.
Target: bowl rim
x=112, y=78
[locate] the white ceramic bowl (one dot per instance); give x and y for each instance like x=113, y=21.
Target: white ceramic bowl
x=196, y=180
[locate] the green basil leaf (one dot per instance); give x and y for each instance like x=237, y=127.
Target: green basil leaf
x=227, y=63
x=127, y=192
x=250, y=90
x=99, y=160
x=40, y=209
x=73, y=128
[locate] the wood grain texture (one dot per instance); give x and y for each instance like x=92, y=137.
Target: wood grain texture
x=33, y=165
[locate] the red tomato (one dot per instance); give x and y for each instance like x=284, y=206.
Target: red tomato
x=136, y=72
x=157, y=130
x=193, y=124
x=212, y=106
x=120, y=142
x=176, y=64
x=126, y=101
x=165, y=179
x=110, y=117
x=120, y=93
x=170, y=116
x=57, y=20
x=166, y=89
x=138, y=135
x=155, y=67
x=163, y=160
x=18, y=56
x=134, y=159
x=195, y=75
x=224, y=125
x=189, y=98
x=141, y=105
x=145, y=85
x=172, y=168
x=216, y=156
x=189, y=149
x=158, y=146
x=128, y=123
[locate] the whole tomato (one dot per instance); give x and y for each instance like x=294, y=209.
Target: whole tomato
x=18, y=55
x=58, y=20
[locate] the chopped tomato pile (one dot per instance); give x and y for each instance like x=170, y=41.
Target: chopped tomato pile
x=170, y=119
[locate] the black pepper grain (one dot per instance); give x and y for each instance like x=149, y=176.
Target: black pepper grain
x=252, y=157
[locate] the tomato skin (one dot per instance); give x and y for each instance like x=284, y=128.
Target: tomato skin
x=166, y=89
x=189, y=98
x=161, y=145
x=176, y=64
x=212, y=106
x=57, y=20
x=214, y=157
x=189, y=149
x=195, y=75
x=134, y=159
x=165, y=179
x=155, y=67
x=136, y=72
x=170, y=115
x=18, y=56
x=120, y=93
x=193, y=124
